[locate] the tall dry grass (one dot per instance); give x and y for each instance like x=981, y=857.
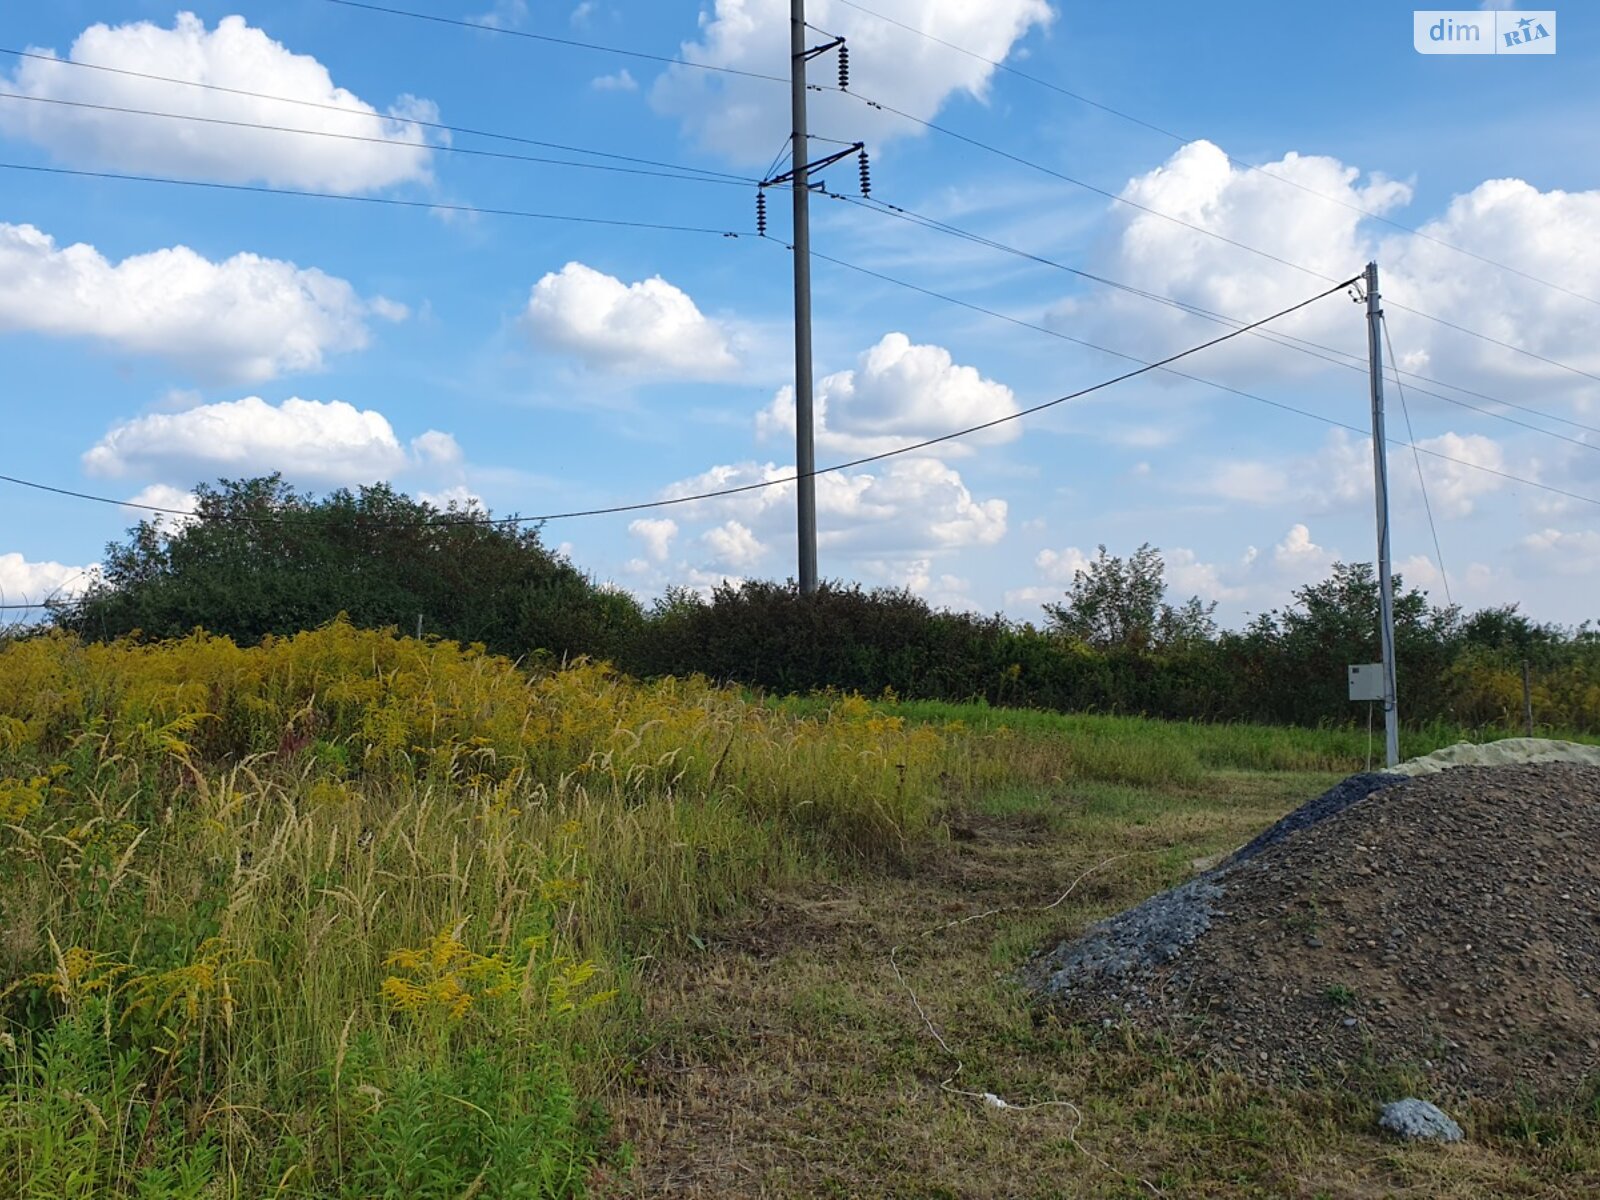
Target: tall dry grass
x=347, y=914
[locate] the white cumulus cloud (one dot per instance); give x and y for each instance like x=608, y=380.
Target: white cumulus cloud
x=1300, y=557
x=24, y=582
x=506, y=14
x=460, y=495
x=1459, y=470
x=1184, y=238
x=233, y=55
x=1057, y=568
x=1314, y=220
x=310, y=441
x=734, y=546
x=245, y=319
x=177, y=503
x=1187, y=575
x=735, y=116
x=918, y=505
x=900, y=392
x=656, y=533
x=1563, y=552
x=649, y=327
x=1062, y=566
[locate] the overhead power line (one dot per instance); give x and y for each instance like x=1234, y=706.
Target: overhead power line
x=1494, y=341
x=1211, y=383
x=571, y=43
x=1163, y=364
x=1422, y=482
x=416, y=204
x=371, y=114
x=978, y=143
x=672, y=501
x=504, y=155
x=1238, y=162
x=731, y=234
x=1329, y=354
x=1289, y=341
x=1190, y=225
x=936, y=128
x=381, y=141
x=385, y=200
x=1116, y=197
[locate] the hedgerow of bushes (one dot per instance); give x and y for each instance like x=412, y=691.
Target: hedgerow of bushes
x=261, y=559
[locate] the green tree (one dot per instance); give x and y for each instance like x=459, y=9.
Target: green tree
x=261, y=558
x=1299, y=654
x=1121, y=604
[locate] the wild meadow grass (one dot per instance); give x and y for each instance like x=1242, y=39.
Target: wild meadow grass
x=354, y=915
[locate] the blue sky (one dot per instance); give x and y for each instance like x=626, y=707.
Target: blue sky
x=155, y=336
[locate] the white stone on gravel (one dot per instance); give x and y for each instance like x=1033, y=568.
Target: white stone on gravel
x=1417, y=1120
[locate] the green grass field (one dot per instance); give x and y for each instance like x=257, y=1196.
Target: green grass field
x=348, y=915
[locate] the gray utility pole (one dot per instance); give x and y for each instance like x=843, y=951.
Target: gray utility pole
x=1380, y=474
x=805, y=450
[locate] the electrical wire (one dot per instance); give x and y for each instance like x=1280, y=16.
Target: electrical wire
x=1079, y=183
x=571, y=43
x=1494, y=341
x=1238, y=162
x=1077, y=341
x=729, y=70
x=749, y=487
x=382, y=141
x=1427, y=505
x=721, y=177
x=1318, y=350
x=786, y=147
x=944, y=130
x=1211, y=383
x=370, y=114
x=54, y=592
x=613, y=222
x=1190, y=225
x=435, y=205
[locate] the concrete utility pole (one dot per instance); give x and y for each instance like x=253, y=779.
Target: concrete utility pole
x=805, y=451
x=1380, y=474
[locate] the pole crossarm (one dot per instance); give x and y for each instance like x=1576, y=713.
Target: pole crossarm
x=819, y=165
x=819, y=51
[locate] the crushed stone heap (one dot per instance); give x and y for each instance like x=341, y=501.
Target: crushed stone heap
x=1448, y=922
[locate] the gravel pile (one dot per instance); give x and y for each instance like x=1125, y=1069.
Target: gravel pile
x=1449, y=923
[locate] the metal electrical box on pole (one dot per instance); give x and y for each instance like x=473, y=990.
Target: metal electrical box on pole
x=1380, y=473
x=805, y=453
x=1366, y=681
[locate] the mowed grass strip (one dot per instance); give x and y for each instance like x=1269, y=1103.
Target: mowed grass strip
x=787, y=1059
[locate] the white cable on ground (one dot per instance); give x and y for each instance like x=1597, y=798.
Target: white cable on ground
x=990, y=1099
